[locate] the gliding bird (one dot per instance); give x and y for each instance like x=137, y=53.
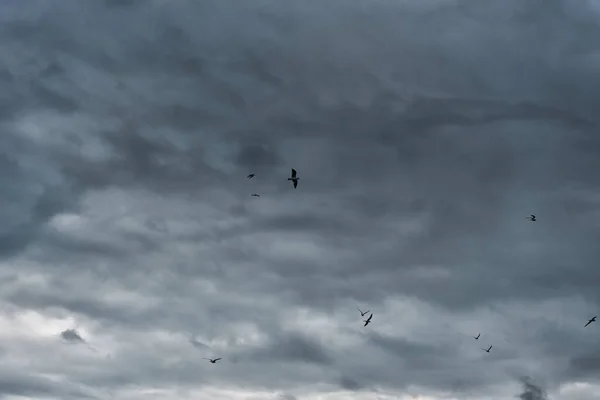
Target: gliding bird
x=255, y=195
x=531, y=218
x=250, y=176
x=368, y=320
x=477, y=337
x=590, y=321
x=294, y=178
x=362, y=314
x=212, y=360
x=488, y=350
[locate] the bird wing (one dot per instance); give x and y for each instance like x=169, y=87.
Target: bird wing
x=295, y=184
x=359, y=309
x=293, y=173
x=367, y=311
x=217, y=359
x=490, y=348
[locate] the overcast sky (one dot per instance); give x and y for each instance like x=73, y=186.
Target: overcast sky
x=424, y=132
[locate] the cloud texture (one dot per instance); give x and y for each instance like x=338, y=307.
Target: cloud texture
x=424, y=133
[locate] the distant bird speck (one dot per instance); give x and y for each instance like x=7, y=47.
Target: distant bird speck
x=294, y=178
x=477, y=337
x=362, y=314
x=250, y=176
x=367, y=321
x=488, y=349
x=255, y=195
x=213, y=360
x=590, y=321
x=531, y=218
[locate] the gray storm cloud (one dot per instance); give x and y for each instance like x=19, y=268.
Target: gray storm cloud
x=531, y=391
x=424, y=132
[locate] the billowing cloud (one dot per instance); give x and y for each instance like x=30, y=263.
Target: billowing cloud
x=531, y=391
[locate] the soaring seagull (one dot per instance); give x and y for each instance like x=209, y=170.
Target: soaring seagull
x=532, y=218
x=477, y=337
x=255, y=195
x=294, y=178
x=488, y=349
x=212, y=360
x=362, y=314
x=368, y=320
x=590, y=321
x=250, y=176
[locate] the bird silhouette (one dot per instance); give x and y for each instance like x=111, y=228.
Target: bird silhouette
x=368, y=320
x=250, y=176
x=362, y=314
x=294, y=178
x=488, y=349
x=590, y=321
x=255, y=195
x=212, y=360
x=532, y=218
x=477, y=337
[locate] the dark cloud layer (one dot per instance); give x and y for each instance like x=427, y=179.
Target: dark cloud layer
x=424, y=133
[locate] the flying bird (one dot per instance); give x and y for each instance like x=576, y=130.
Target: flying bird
x=250, y=176
x=255, y=195
x=294, y=178
x=590, y=321
x=362, y=314
x=477, y=337
x=368, y=320
x=212, y=360
x=531, y=218
x=488, y=349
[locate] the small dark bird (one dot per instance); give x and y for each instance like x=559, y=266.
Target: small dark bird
x=590, y=321
x=488, y=349
x=477, y=337
x=212, y=360
x=294, y=178
x=531, y=218
x=368, y=320
x=250, y=176
x=362, y=314
x=255, y=195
